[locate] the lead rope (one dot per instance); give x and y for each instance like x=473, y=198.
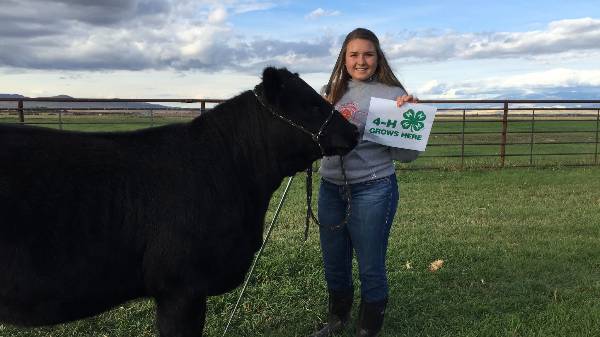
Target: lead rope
x=309, y=212
x=258, y=254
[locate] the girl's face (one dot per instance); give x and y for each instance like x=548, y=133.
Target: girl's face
x=360, y=59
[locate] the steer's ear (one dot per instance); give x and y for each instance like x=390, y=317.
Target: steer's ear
x=272, y=84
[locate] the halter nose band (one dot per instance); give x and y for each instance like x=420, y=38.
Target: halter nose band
x=314, y=136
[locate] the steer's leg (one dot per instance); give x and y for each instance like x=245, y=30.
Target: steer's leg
x=180, y=315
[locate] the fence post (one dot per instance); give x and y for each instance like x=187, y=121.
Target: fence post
x=597, y=134
x=504, y=131
x=60, y=121
x=462, y=145
x=532, y=136
x=202, y=107
x=20, y=111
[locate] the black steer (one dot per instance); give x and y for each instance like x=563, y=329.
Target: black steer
x=91, y=220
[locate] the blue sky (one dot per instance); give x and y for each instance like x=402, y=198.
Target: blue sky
x=216, y=49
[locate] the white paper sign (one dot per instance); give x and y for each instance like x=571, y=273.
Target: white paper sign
x=407, y=127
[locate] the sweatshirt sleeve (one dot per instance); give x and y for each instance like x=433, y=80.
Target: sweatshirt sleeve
x=404, y=155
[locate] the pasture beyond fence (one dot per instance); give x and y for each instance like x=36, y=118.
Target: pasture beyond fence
x=466, y=133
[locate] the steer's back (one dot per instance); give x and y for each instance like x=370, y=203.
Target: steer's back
x=71, y=240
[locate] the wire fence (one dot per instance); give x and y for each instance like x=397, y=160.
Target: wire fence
x=466, y=133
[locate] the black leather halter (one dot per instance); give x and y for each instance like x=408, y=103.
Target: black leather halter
x=314, y=136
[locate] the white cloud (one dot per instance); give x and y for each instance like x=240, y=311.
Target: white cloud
x=199, y=34
x=252, y=6
x=559, y=77
x=576, y=35
x=320, y=12
x=526, y=83
x=433, y=87
x=189, y=35
x=197, y=43
x=217, y=16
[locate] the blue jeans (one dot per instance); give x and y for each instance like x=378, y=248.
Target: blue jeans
x=373, y=206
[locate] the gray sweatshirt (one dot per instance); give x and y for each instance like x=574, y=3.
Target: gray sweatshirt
x=368, y=160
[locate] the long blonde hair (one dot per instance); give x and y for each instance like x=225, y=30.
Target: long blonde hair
x=338, y=81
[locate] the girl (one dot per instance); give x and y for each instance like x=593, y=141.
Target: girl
x=361, y=72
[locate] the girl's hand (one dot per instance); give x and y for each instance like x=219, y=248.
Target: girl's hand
x=406, y=99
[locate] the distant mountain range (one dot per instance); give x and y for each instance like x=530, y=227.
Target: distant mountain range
x=74, y=105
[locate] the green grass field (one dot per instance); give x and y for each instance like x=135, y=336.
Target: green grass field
x=520, y=247
x=543, y=142
x=521, y=258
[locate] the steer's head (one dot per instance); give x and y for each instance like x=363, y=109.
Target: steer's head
x=305, y=126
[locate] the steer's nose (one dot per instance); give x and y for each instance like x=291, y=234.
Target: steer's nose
x=344, y=142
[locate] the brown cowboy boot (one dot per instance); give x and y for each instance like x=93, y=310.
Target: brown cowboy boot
x=340, y=304
x=370, y=318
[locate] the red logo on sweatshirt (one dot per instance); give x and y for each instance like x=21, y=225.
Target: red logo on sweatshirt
x=348, y=110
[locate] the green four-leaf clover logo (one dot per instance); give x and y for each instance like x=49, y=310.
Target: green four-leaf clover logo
x=413, y=121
